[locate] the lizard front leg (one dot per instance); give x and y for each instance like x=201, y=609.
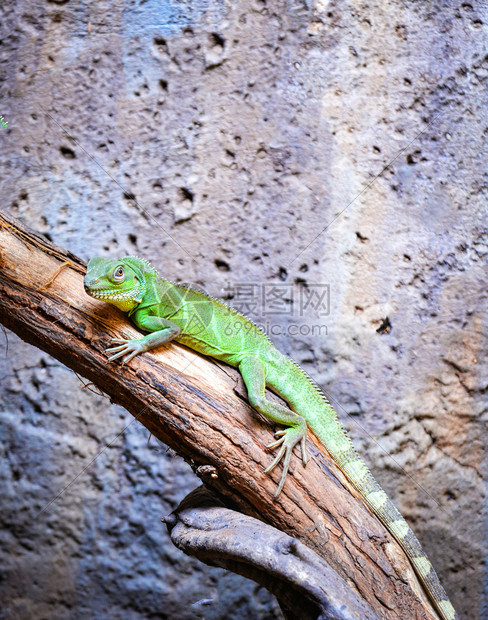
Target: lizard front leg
x=253, y=372
x=161, y=330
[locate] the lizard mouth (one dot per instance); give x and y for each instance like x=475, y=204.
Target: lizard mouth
x=105, y=294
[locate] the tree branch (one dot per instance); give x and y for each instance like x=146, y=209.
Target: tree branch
x=304, y=584
x=198, y=408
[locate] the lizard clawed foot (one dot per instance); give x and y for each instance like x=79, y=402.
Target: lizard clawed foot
x=288, y=439
x=128, y=347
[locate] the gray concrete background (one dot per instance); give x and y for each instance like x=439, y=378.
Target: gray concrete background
x=218, y=139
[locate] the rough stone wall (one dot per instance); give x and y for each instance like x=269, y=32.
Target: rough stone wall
x=300, y=143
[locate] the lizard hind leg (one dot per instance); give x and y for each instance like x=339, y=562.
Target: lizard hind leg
x=253, y=372
x=289, y=439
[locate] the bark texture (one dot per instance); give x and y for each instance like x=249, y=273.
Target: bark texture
x=306, y=587
x=194, y=406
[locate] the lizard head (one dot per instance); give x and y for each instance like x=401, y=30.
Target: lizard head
x=117, y=281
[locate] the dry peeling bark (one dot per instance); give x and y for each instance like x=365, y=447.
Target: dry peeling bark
x=197, y=407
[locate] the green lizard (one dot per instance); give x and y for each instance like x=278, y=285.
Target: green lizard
x=172, y=312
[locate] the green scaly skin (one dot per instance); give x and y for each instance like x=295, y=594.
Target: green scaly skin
x=172, y=312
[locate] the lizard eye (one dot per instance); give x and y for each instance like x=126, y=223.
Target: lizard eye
x=118, y=275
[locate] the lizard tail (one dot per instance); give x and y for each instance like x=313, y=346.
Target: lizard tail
x=343, y=453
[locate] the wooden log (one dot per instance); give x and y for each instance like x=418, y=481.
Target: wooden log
x=198, y=408
x=304, y=584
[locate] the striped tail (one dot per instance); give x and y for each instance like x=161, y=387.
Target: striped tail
x=345, y=456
